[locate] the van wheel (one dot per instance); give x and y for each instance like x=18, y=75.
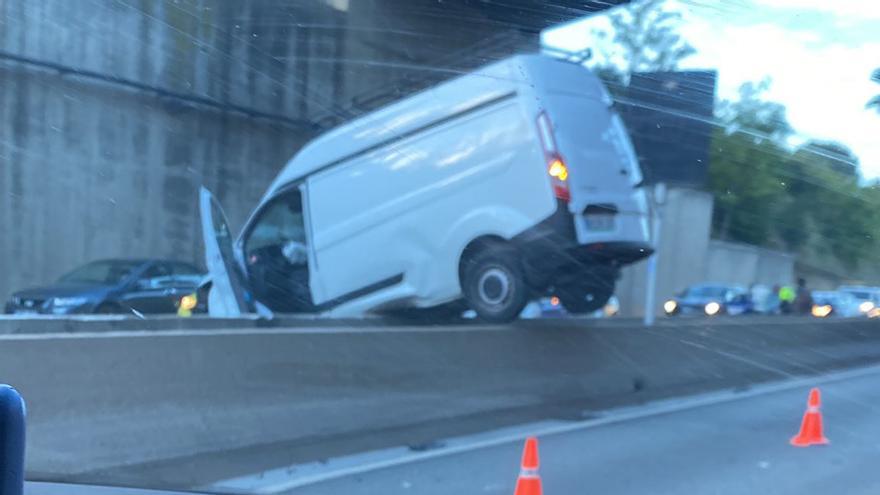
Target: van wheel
x=494, y=285
x=585, y=299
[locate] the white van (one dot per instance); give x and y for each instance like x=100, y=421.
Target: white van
x=492, y=188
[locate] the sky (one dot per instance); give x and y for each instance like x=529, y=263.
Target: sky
x=819, y=55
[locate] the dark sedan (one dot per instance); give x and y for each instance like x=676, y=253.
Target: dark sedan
x=710, y=300
x=144, y=286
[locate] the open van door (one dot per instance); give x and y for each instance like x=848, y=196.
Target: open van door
x=229, y=296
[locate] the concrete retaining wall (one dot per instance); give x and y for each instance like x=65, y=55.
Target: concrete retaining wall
x=93, y=168
x=743, y=264
x=687, y=220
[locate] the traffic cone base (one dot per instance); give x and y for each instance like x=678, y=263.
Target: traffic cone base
x=528, y=486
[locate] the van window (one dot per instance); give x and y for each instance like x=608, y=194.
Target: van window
x=276, y=251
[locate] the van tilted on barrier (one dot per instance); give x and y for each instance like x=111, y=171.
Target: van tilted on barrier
x=490, y=189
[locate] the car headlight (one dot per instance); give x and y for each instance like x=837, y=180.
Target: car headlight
x=821, y=311
x=712, y=308
x=189, y=302
x=612, y=307
x=866, y=306
x=69, y=301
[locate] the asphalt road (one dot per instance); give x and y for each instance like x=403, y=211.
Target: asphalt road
x=739, y=445
x=184, y=409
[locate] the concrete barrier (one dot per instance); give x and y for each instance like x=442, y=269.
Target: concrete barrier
x=123, y=407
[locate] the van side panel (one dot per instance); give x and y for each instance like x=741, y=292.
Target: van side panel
x=402, y=117
x=410, y=208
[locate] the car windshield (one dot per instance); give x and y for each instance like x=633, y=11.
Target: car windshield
x=861, y=295
x=376, y=246
x=827, y=298
x=706, y=292
x=100, y=272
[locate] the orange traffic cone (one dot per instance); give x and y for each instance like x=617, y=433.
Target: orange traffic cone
x=811, y=426
x=529, y=482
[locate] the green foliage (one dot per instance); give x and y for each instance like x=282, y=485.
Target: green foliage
x=643, y=38
x=806, y=201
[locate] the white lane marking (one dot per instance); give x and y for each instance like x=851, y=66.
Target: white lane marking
x=288, y=478
x=116, y=334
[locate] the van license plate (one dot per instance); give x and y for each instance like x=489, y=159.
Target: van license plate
x=599, y=222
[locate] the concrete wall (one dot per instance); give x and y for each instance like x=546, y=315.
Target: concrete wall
x=744, y=264
x=169, y=398
x=683, y=253
x=90, y=172
x=92, y=169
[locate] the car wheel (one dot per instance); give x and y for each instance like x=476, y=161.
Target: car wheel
x=108, y=309
x=494, y=284
x=585, y=299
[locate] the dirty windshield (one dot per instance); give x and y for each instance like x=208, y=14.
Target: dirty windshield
x=439, y=246
x=101, y=272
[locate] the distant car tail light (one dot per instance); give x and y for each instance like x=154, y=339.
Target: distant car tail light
x=556, y=167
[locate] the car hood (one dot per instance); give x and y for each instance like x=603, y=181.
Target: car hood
x=63, y=290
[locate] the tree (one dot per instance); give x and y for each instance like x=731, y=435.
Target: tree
x=744, y=179
x=875, y=101
x=752, y=113
x=808, y=201
x=834, y=156
x=643, y=38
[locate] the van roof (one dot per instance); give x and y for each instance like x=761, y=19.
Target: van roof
x=496, y=81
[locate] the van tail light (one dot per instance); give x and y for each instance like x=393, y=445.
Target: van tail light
x=558, y=172
x=556, y=167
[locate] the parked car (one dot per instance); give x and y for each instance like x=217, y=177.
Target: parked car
x=710, y=300
x=835, y=303
x=492, y=188
x=112, y=286
x=868, y=297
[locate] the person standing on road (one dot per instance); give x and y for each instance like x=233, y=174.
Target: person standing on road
x=803, y=302
x=786, y=299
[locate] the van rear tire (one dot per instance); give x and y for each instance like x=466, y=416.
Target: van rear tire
x=494, y=284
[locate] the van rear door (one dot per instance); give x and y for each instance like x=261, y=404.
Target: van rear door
x=604, y=174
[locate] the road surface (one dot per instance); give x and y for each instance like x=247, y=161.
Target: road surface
x=737, y=445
